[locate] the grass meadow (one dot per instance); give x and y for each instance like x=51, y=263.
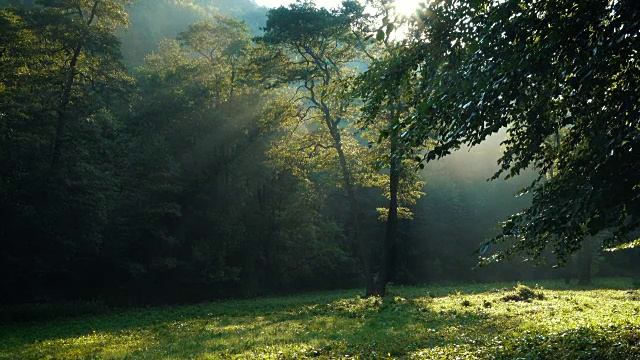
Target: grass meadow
x=547, y=320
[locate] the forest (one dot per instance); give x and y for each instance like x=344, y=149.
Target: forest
x=217, y=179
x=176, y=151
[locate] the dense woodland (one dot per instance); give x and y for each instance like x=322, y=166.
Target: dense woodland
x=159, y=151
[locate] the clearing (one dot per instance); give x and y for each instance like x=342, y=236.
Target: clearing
x=548, y=320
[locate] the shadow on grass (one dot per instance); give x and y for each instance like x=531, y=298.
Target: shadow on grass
x=327, y=325
x=293, y=327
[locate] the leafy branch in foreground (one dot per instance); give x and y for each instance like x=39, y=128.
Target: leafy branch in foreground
x=537, y=69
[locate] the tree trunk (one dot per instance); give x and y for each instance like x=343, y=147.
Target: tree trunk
x=389, y=252
x=391, y=235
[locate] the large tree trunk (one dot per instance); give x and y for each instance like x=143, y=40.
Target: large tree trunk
x=389, y=252
x=391, y=234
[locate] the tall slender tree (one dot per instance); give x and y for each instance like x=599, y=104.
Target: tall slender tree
x=318, y=47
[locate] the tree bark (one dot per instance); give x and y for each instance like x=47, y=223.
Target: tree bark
x=391, y=232
x=389, y=252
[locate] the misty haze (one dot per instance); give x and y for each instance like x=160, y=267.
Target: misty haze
x=216, y=179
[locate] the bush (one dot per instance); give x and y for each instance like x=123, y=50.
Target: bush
x=523, y=293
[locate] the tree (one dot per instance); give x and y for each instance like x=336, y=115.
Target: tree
x=155, y=20
x=224, y=43
x=188, y=185
x=81, y=55
x=60, y=69
x=562, y=65
x=202, y=209
x=385, y=114
x=83, y=29
x=318, y=47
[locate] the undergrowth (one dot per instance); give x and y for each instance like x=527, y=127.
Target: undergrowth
x=523, y=293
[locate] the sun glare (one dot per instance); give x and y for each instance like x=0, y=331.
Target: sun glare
x=407, y=7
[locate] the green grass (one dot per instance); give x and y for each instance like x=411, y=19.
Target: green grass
x=491, y=321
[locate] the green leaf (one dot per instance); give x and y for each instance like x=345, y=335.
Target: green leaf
x=390, y=28
x=628, y=245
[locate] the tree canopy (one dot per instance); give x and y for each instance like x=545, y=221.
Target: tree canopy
x=213, y=163
x=562, y=78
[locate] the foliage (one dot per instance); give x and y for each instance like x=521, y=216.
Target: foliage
x=61, y=69
x=564, y=66
x=386, y=123
x=317, y=54
x=219, y=167
x=161, y=191
x=155, y=20
x=216, y=215
x=523, y=293
x=630, y=245
x=412, y=322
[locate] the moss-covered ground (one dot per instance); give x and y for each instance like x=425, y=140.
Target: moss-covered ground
x=548, y=320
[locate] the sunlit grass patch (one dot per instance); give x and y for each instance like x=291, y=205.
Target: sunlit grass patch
x=466, y=322
x=93, y=345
